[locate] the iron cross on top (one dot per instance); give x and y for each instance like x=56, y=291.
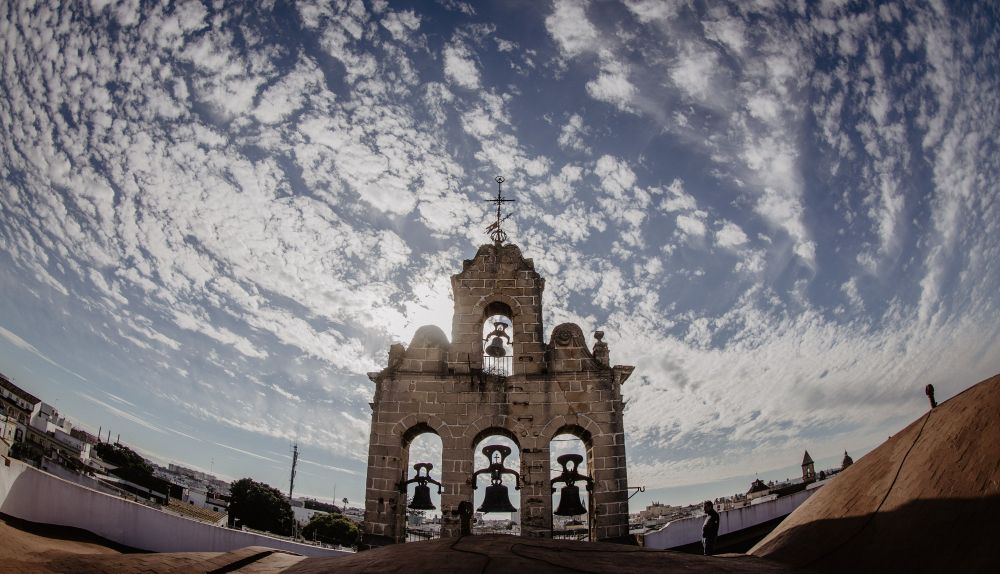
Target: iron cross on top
x=495, y=232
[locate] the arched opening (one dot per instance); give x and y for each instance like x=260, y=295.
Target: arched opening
x=494, y=489
x=422, y=446
x=498, y=339
x=572, y=501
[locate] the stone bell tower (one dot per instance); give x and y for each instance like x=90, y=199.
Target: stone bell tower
x=458, y=390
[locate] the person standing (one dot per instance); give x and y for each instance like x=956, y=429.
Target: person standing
x=710, y=529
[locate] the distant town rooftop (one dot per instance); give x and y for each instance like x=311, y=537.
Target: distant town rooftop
x=10, y=386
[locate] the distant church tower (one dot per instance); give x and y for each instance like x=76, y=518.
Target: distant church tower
x=848, y=461
x=808, y=468
x=526, y=389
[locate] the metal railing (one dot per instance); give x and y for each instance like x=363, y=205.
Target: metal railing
x=580, y=535
x=498, y=366
x=419, y=534
x=488, y=528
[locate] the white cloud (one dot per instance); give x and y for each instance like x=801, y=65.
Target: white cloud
x=401, y=24
x=572, y=135
x=653, y=10
x=850, y=290
x=26, y=346
x=730, y=236
x=694, y=71
x=677, y=199
x=729, y=31
x=460, y=67
x=569, y=27
x=690, y=226
x=612, y=84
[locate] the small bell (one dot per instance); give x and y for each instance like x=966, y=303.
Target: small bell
x=495, y=348
x=421, y=493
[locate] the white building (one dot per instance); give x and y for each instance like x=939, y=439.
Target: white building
x=205, y=499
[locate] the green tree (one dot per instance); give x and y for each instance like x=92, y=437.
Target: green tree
x=131, y=466
x=331, y=528
x=260, y=506
x=123, y=457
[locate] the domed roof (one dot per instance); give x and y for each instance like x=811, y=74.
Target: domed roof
x=925, y=500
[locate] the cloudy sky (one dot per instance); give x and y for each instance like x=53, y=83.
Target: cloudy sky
x=215, y=219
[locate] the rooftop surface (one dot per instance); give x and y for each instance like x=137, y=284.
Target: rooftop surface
x=926, y=500
x=75, y=553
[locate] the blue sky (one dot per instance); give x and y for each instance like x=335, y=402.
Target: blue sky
x=215, y=220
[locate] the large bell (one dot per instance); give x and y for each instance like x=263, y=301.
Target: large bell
x=569, y=502
x=495, y=348
x=569, y=497
x=496, y=500
x=421, y=498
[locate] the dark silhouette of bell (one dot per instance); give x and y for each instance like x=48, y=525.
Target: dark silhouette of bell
x=421, y=493
x=495, y=348
x=496, y=500
x=569, y=502
x=421, y=498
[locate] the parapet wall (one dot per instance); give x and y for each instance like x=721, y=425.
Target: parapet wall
x=36, y=496
x=688, y=530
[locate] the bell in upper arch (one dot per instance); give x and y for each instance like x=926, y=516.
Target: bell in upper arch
x=496, y=500
x=422, y=498
x=495, y=348
x=569, y=502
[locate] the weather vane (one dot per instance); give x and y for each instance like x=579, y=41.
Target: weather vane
x=495, y=232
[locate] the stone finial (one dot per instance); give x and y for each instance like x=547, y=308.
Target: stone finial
x=601, y=352
x=396, y=353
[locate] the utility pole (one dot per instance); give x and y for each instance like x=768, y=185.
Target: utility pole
x=295, y=461
x=291, y=488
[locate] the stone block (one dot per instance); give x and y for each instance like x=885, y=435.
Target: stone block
x=455, y=408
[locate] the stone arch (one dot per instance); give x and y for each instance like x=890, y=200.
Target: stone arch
x=486, y=301
x=486, y=425
x=576, y=430
x=417, y=430
x=415, y=424
x=494, y=431
x=578, y=425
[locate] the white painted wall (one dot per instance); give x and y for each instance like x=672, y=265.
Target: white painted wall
x=303, y=515
x=31, y=494
x=688, y=530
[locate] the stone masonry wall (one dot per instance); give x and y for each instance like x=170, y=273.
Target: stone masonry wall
x=434, y=385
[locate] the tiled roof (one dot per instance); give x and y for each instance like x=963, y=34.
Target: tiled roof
x=192, y=511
